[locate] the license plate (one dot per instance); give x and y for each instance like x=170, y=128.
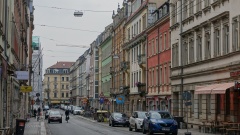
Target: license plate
x=165, y=129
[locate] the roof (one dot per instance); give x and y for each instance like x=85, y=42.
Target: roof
x=62, y=64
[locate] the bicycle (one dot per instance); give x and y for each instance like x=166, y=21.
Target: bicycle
x=67, y=118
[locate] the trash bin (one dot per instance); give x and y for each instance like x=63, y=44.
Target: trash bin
x=20, y=125
x=178, y=119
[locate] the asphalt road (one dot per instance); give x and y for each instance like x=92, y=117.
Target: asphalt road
x=79, y=126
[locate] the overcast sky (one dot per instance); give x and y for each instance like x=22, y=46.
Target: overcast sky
x=46, y=14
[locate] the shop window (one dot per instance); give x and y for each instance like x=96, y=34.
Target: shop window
x=218, y=111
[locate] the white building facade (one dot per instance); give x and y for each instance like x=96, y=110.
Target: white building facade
x=205, y=59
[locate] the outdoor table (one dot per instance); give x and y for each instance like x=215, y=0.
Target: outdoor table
x=231, y=127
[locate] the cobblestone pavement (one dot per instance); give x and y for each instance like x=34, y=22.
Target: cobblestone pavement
x=34, y=127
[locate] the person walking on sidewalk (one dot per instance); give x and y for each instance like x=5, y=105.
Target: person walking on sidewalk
x=35, y=112
x=39, y=113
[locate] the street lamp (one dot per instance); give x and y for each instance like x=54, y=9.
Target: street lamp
x=78, y=14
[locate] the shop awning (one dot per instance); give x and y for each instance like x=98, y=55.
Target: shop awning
x=213, y=89
x=55, y=102
x=221, y=89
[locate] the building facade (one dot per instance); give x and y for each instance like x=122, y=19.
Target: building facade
x=16, y=32
x=74, y=82
x=205, y=59
x=105, y=62
x=159, y=60
x=56, y=83
x=37, y=63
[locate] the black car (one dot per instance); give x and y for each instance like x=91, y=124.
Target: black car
x=55, y=116
x=117, y=118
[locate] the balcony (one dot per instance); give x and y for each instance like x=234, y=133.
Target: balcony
x=141, y=59
x=124, y=65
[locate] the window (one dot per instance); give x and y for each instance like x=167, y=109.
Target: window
x=55, y=95
x=156, y=44
x=199, y=5
x=160, y=13
x=129, y=35
x=207, y=45
x=55, y=78
x=153, y=47
x=165, y=42
x=191, y=50
x=185, y=9
x=185, y=53
x=62, y=95
x=67, y=86
x=55, y=86
x=67, y=95
x=206, y=3
x=165, y=75
x=137, y=29
x=208, y=104
x=160, y=76
x=62, y=86
x=235, y=33
x=160, y=43
x=67, y=78
x=227, y=101
x=157, y=76
x=48, y=86
x=48, y=79
x=174, y=13
x=152, y=77
x=140, y=75
x=62, y=78
x=132, y=32
x=225, y=39
x=199, y=48
x=164, y=10
x=199, y=105
x=191, y=6
x=140, y=26
x=144, y=21
x=132, y=80
x=217, y=49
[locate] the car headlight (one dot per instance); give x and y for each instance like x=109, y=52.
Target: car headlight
x=175, y=123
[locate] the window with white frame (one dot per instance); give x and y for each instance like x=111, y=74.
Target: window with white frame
x=185, y=52
x=160, y=13
x=55, y=94
x=164, y=10
x=140, y=26
x=160, y=76
x=153, y=76
x=169, y=73
x=174, y=13
x=160, y=43
x=156, y=45
x=165, y=41
x=207, y=45
x=153, y=47
x=199, y=48
x=165, y=75
x=191, y=7
x=225, y=39
x=129, y=34
x=191, y=50
x=173, y=55
x=199, y=5
x=206, y=3
x=185, y=9
x=157, y=76
x=217, y=49
x=235, y=33
x=132, y=80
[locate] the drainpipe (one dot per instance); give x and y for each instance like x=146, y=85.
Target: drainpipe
x=7, y=59
x=181, y=60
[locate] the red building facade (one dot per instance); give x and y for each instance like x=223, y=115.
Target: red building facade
x=159, y=61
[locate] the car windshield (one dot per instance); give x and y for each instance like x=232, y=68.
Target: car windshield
x=141, y=115
x=161, y=115
x=55, y=113
x=119, y=115
x=46, y=107
x=77, y=108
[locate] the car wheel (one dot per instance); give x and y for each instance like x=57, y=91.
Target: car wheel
x=48, y=121
x=174, y=133
x=130, y=129
x=60, y=121
x=109, y=123
x=136, y=129
x=150, y=132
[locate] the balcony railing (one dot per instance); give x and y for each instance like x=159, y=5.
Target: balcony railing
x=124, y=65
x=141, y=59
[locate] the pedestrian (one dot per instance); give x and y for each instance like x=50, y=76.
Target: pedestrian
x=35, y=112
x=39, y=111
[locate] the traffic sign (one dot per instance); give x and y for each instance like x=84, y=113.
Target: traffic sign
x=26, y=89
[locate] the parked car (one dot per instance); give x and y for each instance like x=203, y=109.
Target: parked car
x=117, y=118
x=54, y=116
x=78, y=111
x=47, y=114
x=46, y=107
x=136, y=120
x=72, y=108
x=159, y=122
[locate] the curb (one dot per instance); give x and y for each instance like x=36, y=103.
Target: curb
x=86, y=119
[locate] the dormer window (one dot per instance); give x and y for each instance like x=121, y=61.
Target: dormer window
x=55, y=71
x=160, y=13
x=65, y=71
x=164, y=10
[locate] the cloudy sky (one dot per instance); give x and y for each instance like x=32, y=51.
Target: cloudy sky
x=56, y=25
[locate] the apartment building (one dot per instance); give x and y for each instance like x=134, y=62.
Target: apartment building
x=205, y=59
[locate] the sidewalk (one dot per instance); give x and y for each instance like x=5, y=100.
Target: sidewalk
x=180, y=131
x=34, y=127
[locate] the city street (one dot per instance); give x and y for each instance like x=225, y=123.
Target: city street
x=78, y=126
